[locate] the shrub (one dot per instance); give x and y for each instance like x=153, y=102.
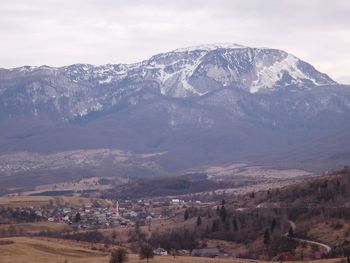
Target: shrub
x=146, y=252
x=119, y=256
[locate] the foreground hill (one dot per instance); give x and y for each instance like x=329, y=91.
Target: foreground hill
x=317, y=210
x=27, y=250
x=307, y=220
x=16, y=250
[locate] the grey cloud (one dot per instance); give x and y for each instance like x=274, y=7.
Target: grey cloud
x=107, y=31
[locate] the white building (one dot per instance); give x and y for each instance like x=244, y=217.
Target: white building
x=160, y=252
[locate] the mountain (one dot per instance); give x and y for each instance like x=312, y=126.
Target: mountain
x=81, y=89
x=198, y=105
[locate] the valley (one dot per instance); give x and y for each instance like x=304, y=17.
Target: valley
x=74, y=173
x=248, y=227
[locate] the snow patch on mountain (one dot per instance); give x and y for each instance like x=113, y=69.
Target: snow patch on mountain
x=209, y=47
x=186, y=73
x=270, y=73
x=107, y=80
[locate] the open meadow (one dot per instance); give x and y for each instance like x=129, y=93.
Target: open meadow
x=24, y=249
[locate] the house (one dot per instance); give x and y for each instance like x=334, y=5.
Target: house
x=133, y=214
x=101, y=218
x=175, y=201
x=160, y=252
x=39, y=213
x=66, y=210
x=183, y=252
x=205, y=252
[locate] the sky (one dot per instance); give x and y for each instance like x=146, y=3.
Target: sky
x=63, y=32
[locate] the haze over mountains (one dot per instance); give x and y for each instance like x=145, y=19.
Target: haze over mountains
x=200, y=105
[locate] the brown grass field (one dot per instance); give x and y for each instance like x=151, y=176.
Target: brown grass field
x=18, y=201
x=27, y=250
x=35, y=227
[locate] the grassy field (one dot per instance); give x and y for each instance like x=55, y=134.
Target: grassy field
x=35, y=227
x=18, y=201
x=39, y=251
x=27, y=250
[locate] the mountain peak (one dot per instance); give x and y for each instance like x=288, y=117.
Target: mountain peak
x=198, y=70
x=209, y=47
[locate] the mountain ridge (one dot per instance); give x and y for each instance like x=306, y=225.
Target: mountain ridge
x=199, y=106
x=180, y=73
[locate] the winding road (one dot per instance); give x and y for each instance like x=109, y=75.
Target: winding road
x=293, y=226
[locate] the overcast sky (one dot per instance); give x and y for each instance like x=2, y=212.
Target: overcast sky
x=61, y=32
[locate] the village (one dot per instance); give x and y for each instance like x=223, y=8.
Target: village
x=97, y=215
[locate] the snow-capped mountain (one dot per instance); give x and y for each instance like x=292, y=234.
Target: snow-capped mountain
x=80, y=89
x=220, y=101
x=184, y=72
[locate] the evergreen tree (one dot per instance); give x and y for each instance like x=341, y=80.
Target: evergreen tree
x=273, y=225
x=77, y=217
x=291, y=232
x=235, y=225
x=199, y=220
x=215, y=226
x=186, y=215
x=223, y=213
